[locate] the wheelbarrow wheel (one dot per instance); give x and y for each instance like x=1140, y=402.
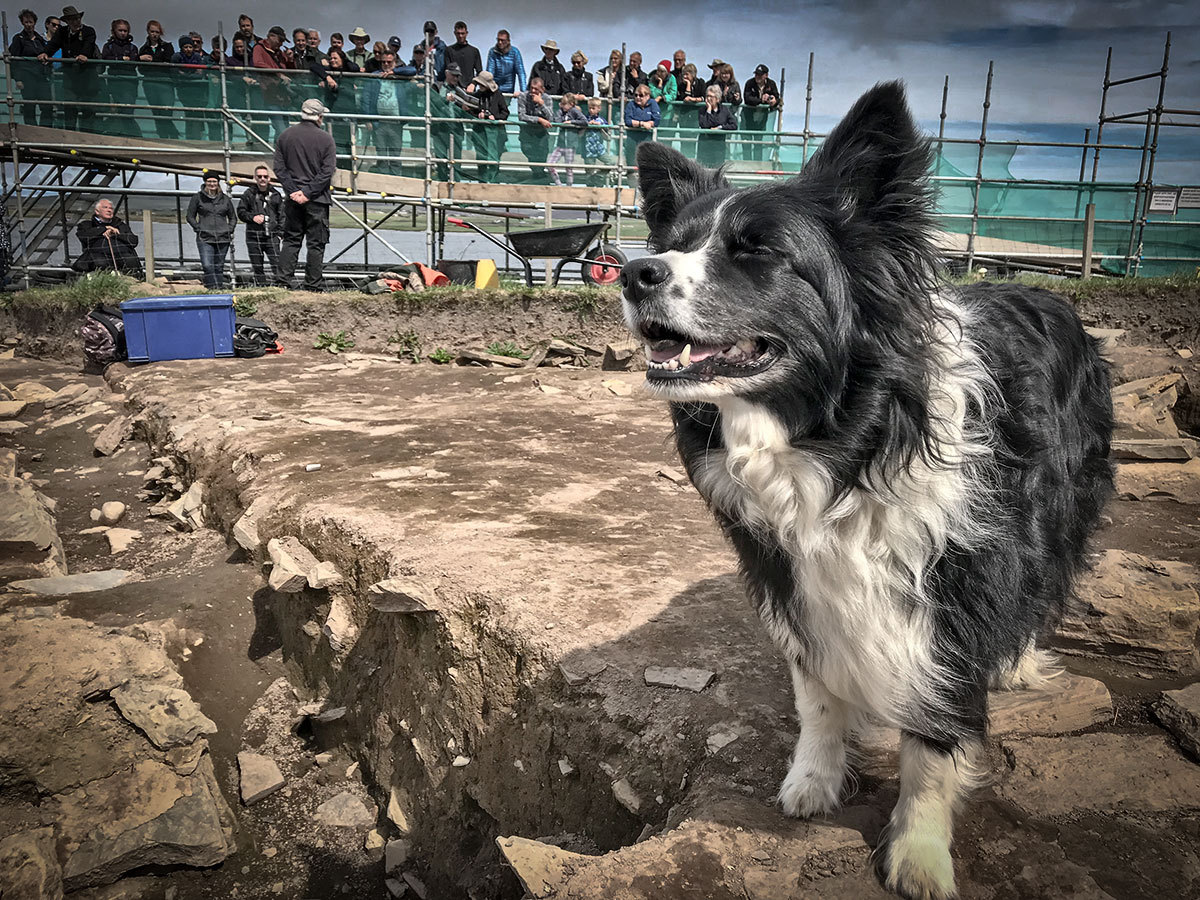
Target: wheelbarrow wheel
x=599, y=274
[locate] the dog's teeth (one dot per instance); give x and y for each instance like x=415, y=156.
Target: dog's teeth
x=686, y=356
x=747, y=345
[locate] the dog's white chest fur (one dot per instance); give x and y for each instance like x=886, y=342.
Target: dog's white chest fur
x=858, y=563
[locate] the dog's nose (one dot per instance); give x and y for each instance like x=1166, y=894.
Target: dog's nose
x=642, y=277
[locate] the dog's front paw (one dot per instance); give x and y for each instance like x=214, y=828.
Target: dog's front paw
x=919, y=867
x=805, y=793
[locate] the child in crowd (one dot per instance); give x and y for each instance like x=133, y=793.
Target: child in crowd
x=572, y=123
x=595, y=145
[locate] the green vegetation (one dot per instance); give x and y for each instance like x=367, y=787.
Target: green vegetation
x=334, y=343
x=244, y=305
x=506, y=348
x=441, y=356
x=1097, y=287
x=409, y=344
x=82, y=294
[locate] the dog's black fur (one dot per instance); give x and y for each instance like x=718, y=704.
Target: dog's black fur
x=833, y=275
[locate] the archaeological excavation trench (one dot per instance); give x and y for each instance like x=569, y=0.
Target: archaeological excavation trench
x=492, y=644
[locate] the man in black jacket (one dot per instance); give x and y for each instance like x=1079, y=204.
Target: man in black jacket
x=261, y=208
x=305, y=160
x=108, y=243
x=467, y=57
x=549, y=69
x=761, y=98
x=80, y=78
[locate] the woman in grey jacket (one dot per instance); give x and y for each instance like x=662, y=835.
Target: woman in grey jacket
x=211, y=216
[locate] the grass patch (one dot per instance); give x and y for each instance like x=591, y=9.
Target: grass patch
x=506, y=348
x=1099, y=288
x=82, y=294
x=335, y=342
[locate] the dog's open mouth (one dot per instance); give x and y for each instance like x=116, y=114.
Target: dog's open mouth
x=670, y=355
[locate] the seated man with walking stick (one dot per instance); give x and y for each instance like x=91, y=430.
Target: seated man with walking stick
x=108, y=243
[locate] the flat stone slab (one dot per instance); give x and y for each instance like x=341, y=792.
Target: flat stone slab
x=1160, y=481
x=29, y=868
x=345, y=811
x=168, y=715
x=685, y=678
x=1143, y=611
x=1179, y=712
x=146, y=815
x=1068, y=703
x=1126, y=773
x=260, y=776
x=82, y=583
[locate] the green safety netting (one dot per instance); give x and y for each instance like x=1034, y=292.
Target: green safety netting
x=183, y=103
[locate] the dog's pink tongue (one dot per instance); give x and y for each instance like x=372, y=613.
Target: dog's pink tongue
x=699, y=352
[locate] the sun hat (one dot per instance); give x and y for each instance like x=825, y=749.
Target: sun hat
x=70, y=12
x=485, y=79
x=359, y=33
x=715, y=63
x=550, y=45
x=312, y=110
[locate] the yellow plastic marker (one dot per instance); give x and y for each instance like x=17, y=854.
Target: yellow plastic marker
x=486, y=275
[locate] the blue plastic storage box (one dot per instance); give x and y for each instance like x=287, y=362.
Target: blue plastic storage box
x=196, y=327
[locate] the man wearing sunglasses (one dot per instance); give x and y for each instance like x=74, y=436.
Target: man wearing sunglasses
x=261, y=208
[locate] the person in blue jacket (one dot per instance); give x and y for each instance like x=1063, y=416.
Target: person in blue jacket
x=505, y=63
x=641, y=118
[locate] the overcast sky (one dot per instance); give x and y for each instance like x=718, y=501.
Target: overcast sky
x=1049, y=56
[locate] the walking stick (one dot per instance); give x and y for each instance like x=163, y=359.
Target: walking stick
x=112, y=253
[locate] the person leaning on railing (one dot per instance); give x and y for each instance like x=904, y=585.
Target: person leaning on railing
x=32, y=79
x=536, y=120
x=487, y=134
x=450, y=103
x=761, y=98
x=595, y=144
x=191, y=85
x=77, y=42
x=642, y=116
x=714, y=121
x=121, y=80
x=572, y=124
x=268, y=57
x=341, y=96
x=383, y=95
x=158, y=83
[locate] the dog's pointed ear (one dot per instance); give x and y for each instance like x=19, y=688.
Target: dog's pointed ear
x=876, y=157
x=668, y=181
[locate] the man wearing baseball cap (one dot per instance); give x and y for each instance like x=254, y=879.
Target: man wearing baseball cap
x=761, y=98
x=305, y=160
x=437, y=47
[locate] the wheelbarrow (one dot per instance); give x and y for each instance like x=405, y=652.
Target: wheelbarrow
x=601, y=265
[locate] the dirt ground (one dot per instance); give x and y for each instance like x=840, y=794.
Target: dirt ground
x=535, y=501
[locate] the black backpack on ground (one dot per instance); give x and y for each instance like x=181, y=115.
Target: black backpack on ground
x=252, y=338
x=103, y=333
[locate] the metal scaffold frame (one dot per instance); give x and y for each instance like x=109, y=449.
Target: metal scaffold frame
x=52, y=185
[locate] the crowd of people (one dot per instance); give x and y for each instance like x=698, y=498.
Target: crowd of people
x=564, y=113
x=276, y=224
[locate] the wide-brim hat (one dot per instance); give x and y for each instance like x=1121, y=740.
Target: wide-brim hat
x=485, y=79
x=715, y=63
x=359, y=33
x=312, y=110
x=550, y=45
x=69, y=12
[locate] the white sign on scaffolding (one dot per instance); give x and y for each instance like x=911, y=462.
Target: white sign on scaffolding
x=1163, y=201
x=1189, y=198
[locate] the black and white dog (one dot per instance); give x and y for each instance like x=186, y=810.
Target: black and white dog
x=908, y=472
